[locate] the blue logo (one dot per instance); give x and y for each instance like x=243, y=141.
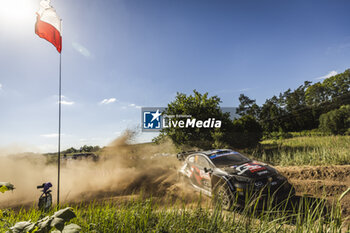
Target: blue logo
x=152, y=120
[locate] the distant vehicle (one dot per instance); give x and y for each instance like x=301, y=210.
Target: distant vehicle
x=45, y=199
x=231, y=177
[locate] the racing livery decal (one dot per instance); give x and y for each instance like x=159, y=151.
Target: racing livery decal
x=252, y=167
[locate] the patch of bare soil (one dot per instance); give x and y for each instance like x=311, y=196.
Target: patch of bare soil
x=321, y=181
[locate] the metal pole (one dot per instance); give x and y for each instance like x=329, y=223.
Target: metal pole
x=59, y=132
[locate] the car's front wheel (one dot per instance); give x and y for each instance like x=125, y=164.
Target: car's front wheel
x=223, y=197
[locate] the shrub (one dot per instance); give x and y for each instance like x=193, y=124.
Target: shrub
x=336, y=121
x=247, y=132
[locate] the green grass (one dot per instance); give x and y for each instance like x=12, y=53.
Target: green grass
x=315, y=150
x=147, y=216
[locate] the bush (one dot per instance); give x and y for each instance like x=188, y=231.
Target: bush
x=240, y=133
x=336, y=121
x=202, y=107
x=247, y=132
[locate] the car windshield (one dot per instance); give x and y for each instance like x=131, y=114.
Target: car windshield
x=228, y=159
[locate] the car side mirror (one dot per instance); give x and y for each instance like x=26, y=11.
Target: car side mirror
x=206, y=170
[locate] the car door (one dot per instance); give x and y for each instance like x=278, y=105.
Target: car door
x=198, y=176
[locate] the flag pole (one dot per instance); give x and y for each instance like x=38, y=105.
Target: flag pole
x=50, y=30
x=59, y=124
x=59, y=130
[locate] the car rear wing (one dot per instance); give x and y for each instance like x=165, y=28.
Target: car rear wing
x=183, y=155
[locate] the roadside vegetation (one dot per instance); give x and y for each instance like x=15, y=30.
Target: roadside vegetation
x=146, y=215
x=304, y=150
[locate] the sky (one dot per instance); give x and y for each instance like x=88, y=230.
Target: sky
x=120, y=55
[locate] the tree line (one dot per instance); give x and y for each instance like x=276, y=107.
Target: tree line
x=82, y=149
x=324, y=106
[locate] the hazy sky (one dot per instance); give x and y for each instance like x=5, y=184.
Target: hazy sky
x=122, y=54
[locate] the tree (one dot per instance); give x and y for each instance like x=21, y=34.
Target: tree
x=338, y=85
x=247, y=106
x=295, y=100
x=299, y=109
x=202, y=107
x=246, y=132
x=86, y=148
x=288, y=112
x=271, y=115
x=336, y=121
x=70, y=150
x=316, y=94
x=218, y=139
x=96, y=149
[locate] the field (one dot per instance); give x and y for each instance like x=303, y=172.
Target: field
x=151, y=200
x=315, y=150
x=146, y=215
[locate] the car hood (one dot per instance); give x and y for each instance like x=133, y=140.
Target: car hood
x=252, y=169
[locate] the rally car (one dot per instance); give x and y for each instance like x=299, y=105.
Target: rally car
x=232, y=176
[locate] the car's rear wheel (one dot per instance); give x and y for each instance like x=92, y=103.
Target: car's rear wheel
x=223, y=197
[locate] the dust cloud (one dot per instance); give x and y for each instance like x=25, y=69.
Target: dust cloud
x=123, y=169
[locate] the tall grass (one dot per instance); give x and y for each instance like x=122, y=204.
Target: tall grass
x=316, y=150
x=305, y=215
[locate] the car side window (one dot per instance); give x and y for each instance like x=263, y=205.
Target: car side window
x=203, y=162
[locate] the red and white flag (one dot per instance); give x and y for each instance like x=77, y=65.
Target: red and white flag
x=48, y=25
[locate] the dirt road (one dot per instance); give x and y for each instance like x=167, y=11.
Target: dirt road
x=320, y=181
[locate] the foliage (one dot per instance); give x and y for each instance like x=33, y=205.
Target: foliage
x=304, y=150
x=247, y=132
x=200, y=107
x=271, y=115
x=309, y=133
x=288, y=112
x=336, y=121
x=333, y=90
x=291, y=111
x=146, y=216
x=286, y=135
x=71, y=150
x=84, y=148
x=247, y=106
x=277, y=135
x=300, y=109
x=203, y=107
x=218, y=139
